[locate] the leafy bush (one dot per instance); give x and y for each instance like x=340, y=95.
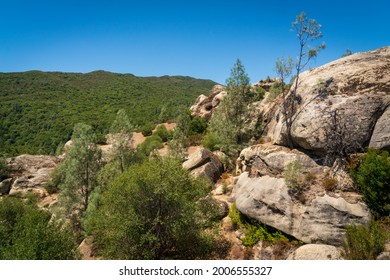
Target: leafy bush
x=163, y=133
x=4, y=170
x=149, y=212
x=294, y=176
x=373, y=180
x=196, y=126
x=150, y=144
x=258, y=95
x=254, y=231
x=26, y=233
x=211, y=141
x=147, y=129
x=364, y=243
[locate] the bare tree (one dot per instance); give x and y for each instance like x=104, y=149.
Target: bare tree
x=307, y=30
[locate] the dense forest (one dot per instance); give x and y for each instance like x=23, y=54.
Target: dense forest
x=38, y=110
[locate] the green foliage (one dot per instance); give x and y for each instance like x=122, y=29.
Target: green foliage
x=294, y=175
x=150, y=144
x=4, y=170
x=79, y=172
x=373, y=180
x=364, y=242
x=26, y=233
x=147, y=129
x=254, y=231
x=228, y=121
x=197, y=125
x=212, y=142
x=258, y=95
x=275, y=91
x=38, y=110
x=149, y=213
x=121, y=124
x=163, y=133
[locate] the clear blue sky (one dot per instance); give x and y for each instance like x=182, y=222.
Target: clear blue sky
x=195, y=38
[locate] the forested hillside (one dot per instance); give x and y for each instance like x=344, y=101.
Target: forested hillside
x=38, y=110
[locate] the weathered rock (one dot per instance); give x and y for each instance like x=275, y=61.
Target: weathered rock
x=380, y=138
x=205, y=105
x=356, y=87
x=263, y=159
x=315, y=252
x=5, y=186
x=322, y=220
x=30, y=173
x=204, y=163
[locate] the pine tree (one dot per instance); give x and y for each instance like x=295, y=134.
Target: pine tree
x=80, y=167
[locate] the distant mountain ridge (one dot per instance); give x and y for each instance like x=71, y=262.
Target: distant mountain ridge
x=39, y=109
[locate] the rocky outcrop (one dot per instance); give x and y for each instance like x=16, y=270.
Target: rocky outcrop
x=204, y=163
x=205, y=105
x=5, y=186
x=267, y=159
x=315, y=252
x=30, y=173
x=380, y=138
x=356, y=88
x=321, y=220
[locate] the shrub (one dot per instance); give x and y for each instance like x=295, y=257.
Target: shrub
x=150, y=212
x=254, y=231
x=364, y=242
x=147, y=129
x=4, y=170
x=275, y=91
x=373, y=180
x=294, y=176
x=150, y=144
x=329, y=184
x=196, y=126
x=26, y=233
x=163, y=133
x=211, y=141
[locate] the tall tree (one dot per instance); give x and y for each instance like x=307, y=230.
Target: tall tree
x=307, y=30
x=228, y=120
x=80, y=167
x=122, y=132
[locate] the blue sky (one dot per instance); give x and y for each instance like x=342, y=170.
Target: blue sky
x=195, y=38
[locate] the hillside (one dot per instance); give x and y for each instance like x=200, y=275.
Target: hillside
x=39, y=109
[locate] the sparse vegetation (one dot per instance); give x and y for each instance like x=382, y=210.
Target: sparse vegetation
x=373, y=180
x=364, y=242
x=329, y=184
x=294, y=176
x=4, y=170
x=254, y=231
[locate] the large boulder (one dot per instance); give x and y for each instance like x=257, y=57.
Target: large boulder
x=355, y=88
x=203, y=163
x=263, y=159
x=30, y=173
x=320, y=220
x=5, y=186
x=315, y=252
x=204, y=105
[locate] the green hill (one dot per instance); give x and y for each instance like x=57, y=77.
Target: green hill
x=39, y=109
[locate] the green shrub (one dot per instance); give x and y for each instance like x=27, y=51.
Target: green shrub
x=196, y=126
x=4, y=170
x=373, y=180
x=211, y=141
x=147, y=129
x=163, y=133
x=26, y=233
x=258, y=95
x=254, y=231
x=364, y=242
x=294, y=176
x=149, y=212
x=150, y=144
x=275, y=91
